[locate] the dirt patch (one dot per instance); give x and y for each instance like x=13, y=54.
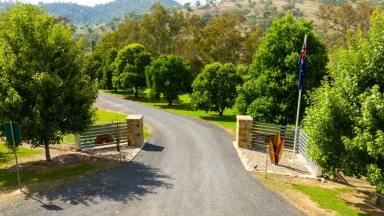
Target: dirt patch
x=363, y=200
x=58, y=161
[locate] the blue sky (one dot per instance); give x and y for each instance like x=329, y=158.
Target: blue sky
x=86, y=2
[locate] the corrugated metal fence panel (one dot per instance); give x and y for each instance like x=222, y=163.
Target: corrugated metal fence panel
x=262, y=131
x=302, y=147
x=105, y=134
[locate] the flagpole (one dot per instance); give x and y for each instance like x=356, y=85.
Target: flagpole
x=297, y=122
x=299, y=103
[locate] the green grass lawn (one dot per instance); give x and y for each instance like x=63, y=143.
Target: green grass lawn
x=8, y=177
x=329, y=199
x=103, y=116
x=7, y=156
x=183, y=107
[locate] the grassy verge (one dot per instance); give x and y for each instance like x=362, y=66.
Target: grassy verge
x=147, y=132
x=8, y=177
x=103, y=116
x=7, y=156
x=328, y=199
x=182, y=106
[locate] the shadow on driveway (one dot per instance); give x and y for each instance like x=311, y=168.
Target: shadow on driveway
x=152, y=148
x=130, y=181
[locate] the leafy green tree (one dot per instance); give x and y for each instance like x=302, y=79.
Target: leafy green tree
x=41, y=83
x=162, y=32
x=107, y=70
x=93, y=66
x=129, y=67
x=345, y=121
x=271, y=93
x=214, y=89
x=168, y=75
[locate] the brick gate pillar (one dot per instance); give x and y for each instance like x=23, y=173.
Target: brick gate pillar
x=244, y=131
x=135, y=126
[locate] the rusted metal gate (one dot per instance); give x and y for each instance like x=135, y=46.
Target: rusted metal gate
x=111, y=134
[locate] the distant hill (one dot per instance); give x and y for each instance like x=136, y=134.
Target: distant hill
x=79, y=14
x=255, y=10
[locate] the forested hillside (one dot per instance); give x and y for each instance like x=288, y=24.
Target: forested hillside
x=79, y=14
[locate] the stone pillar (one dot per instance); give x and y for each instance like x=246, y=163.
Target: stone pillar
x=244, y=131
x=77, y=142
x=135, y=126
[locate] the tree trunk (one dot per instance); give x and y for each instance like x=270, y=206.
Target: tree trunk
x=169, y=101
x=136, y=92
x=47, y=154
x=221, y=113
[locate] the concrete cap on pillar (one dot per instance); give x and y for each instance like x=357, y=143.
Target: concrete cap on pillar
x=135, y=116
x=244, y=117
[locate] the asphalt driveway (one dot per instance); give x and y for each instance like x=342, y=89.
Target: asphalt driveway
x=188, y=167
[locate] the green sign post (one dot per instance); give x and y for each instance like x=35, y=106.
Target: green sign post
x=13, y=136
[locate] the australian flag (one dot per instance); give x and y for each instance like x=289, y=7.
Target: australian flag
x=302, y=63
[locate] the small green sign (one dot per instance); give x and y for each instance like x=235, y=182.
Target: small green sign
x=10, y=128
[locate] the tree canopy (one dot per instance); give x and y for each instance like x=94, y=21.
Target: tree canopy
x=225, y=38
x=107, y=70
x=270, y=95
x=344, y=20
x=41, y=81
x=345, y=121
x=221, y=39
x=168, y=75
x=129, y=67
x=214, y=89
